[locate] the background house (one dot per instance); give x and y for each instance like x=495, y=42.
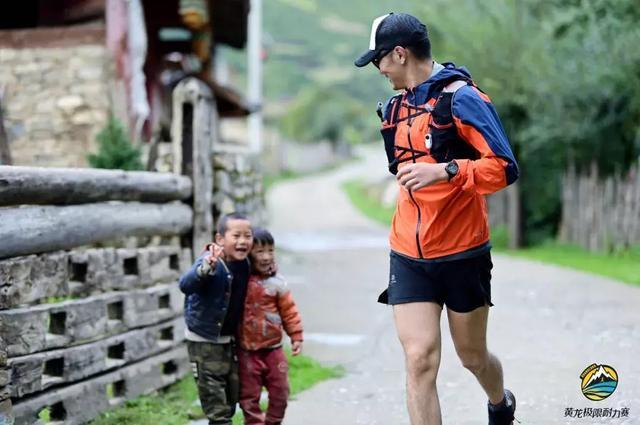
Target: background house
x=66, y=64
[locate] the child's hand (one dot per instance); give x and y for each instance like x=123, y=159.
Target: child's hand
x=215, y=252
x=296, y=347
x=209, y=261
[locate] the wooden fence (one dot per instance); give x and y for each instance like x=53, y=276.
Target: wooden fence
x=85, y=322
x=601, y=214
x=504, y=211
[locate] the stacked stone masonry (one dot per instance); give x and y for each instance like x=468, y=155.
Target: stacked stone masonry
x=89, y=327
x=37, y=372
x=56, y=100
x=79, y=403
x=237, y=184
x=5, y=401
x=32, y=278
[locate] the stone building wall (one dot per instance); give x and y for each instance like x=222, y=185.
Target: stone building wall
x=237, y=180
x=56, y=99
x=237, y=183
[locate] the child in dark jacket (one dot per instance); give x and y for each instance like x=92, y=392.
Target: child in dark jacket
x=215, y=289
x=269, y=307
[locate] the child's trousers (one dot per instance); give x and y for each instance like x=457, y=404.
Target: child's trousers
x=268, y=368
x=216, y=374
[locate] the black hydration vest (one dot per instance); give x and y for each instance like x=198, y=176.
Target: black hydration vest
x=442, y=142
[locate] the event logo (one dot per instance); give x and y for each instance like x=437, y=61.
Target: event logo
x=598, y=381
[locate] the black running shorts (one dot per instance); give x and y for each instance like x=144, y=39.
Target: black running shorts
x=462, y=284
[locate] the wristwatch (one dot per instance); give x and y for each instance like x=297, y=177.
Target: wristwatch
x=452, y=169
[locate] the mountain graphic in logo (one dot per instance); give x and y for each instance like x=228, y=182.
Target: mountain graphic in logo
x=599, y=381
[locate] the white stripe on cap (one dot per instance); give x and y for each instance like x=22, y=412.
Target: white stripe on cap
x=374, y=27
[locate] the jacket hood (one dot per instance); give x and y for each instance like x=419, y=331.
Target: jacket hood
x=447, y=74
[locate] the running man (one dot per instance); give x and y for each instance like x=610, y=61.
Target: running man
x=447, y=147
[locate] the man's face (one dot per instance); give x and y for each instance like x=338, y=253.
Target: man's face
x=237, y=240
x=391, y=66
x=263, y=259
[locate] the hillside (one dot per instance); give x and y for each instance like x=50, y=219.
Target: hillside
x=314, y=42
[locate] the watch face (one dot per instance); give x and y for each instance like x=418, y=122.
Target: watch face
x=452, y=168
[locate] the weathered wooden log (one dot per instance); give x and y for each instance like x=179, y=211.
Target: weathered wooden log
x=79, y=403
x=37, y=372
x=66, y=186
x=32, y=230
x=37, y=328
x=194, y=132
x=80, y=273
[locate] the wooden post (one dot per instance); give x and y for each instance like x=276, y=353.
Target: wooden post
x=192, y=131
x=565, y=233
x=5, y=152
x=514, y=216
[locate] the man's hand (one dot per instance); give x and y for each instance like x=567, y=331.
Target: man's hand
x=296, y=347
x=417, y=176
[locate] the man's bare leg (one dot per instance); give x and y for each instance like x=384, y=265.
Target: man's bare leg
x=469, y=334
x=418, y=326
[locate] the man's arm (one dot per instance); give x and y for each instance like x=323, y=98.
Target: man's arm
x=478, y=124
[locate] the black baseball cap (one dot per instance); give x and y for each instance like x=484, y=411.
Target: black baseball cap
x=391, y=30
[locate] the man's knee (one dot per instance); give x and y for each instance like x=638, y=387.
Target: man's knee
x=422, y=360
x=474, y=360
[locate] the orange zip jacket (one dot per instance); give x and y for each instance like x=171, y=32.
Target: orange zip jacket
x=447, y=218
x=269, y=308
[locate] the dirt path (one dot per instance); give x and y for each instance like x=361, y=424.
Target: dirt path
x=548, y=323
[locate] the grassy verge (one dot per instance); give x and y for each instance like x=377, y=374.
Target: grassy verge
x=176, y=404
x=270, y=179
x=623, y=266
x=367, y=204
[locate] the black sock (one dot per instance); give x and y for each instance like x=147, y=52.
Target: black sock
x=500, y=405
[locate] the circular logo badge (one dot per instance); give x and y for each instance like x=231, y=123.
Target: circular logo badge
x=598, y=381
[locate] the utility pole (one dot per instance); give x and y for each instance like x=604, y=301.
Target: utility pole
x=254, y=58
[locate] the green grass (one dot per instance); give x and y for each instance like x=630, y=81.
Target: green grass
x=623, y=266
x=271, y=179
x=305, y=372
x=175, y=405
x=53, y=300
x=45, y=415
x=366, y=203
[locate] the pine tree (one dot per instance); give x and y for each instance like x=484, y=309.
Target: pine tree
x=115, y=150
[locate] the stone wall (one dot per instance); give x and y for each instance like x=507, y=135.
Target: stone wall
x=5, y=402
x=101, y=318
x=56, y=99
x=237, y=183
x=237, y=180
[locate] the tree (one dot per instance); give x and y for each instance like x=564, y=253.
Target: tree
x=327, y=113
x=564, y=78
x=115, y=150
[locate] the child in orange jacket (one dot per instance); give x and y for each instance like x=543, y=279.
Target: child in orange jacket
x=269, y=308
